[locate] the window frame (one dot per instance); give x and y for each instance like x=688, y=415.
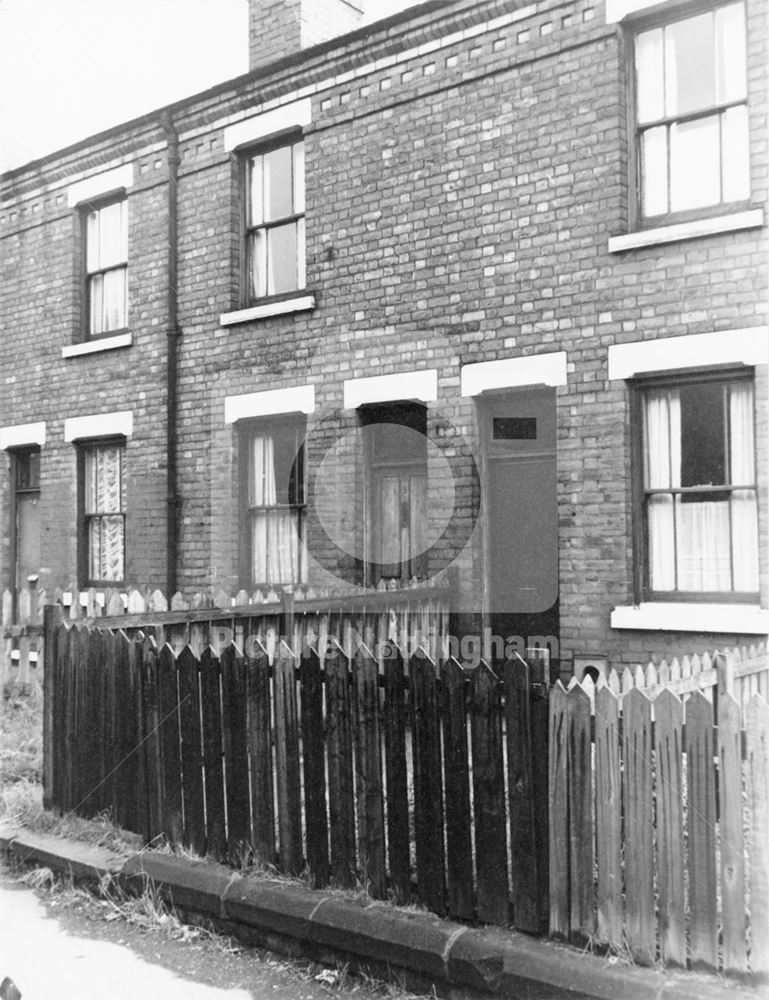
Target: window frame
x=245, y=156
x=247, y=430
x=633, y=28
x=640, y=386
x=414, y=416
x=84, y=445
x=85, y=209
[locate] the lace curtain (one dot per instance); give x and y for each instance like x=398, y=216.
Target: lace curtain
x=104, y=508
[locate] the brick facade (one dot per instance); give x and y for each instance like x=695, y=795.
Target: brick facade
x=465, y=170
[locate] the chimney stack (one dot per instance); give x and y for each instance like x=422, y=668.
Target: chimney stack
x=278, y=28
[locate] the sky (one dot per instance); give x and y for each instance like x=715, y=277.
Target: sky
x=70, y=68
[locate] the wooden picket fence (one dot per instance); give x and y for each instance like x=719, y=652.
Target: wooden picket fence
x=658, y=825
x=741, y=672
x=388, y=771
x=410, y=612
x=22, y=630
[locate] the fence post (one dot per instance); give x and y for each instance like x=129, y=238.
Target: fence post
x=287, y=620
x=51, y=619
x=540, y=680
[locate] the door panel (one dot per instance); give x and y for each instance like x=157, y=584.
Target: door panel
x=524, y=560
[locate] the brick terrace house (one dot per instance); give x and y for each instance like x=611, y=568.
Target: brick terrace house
x=479, y=287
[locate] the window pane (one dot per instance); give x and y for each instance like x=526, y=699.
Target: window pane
x=694, y=164
x=114, y=304
x=276, y=547
x=736, y=154
x=277, y=184
x=703, y=435
x=654, y=170
x=96, y=304
x=650, y=76
x=299, y=177
x=282, y=259
x=661, y=540
x=690, y=78
x=287, y=447
x=702, y=536
x=92, y=242
x=277, y=467
x=109, y=485
x=257, y=264
x=662, y=436
x=301, y=263
x=742, y=456
x=731, y=74
x=112, y=242
x=255, y=210
x=106, y=548
x=27, y=465
x=745, y=540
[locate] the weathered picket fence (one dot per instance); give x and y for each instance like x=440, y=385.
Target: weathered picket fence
x=22, y=630
x=363, y=763
x=658, y=825
x=410, y=613
x=741, y=672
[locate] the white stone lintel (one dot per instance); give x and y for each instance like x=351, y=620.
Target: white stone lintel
x=22, y=435
x=101, y=185
x=722, y=619
x=99, y=425
x=749, y=346
x=509, y=373
x=297, y=114
x=293, y=399
x=421, y=385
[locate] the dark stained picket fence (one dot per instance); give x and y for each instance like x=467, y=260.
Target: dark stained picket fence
x=658, y=825
x=417, y=780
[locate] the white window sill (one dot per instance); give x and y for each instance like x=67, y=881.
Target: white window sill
x=96, y=346
x=743, y=619
x=688, y=230
x=299, y=303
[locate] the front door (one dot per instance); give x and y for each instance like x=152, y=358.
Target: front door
x=521, y=515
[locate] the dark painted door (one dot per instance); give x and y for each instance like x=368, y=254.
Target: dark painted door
x=521, y=510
